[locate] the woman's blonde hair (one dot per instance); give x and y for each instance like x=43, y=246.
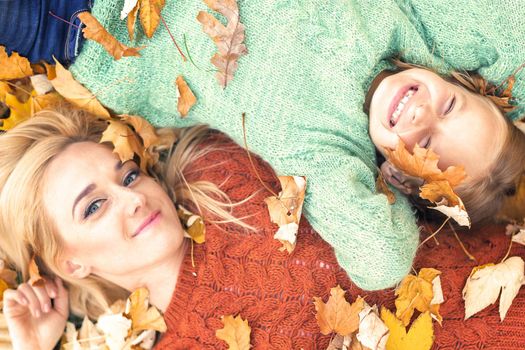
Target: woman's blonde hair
x=484, y=196
x=27, y=231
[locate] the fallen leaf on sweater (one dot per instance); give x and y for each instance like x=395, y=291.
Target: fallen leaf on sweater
x=337, y=315
x=519, y=237
x=14, y=66
x=132, y=20
x=193, y=224
x=373, y=333
x=229, y=39
x=34, y=274
x=285, y=210
x=88, y=335
x=143, y=316
x=186, y=97
x=149, y=14
x=143, y=128
x=423, y=163
x=485, y=283
x=348, y=342
x=115, y=328
x=76, y=94
x=48, y=101
x=236, y=333
x=417, y=293
x=446, y=200
x=420, y=336
x=96, y=32
x=382, y=187
x=129, y=6
x=20, y=111
x=124, y=140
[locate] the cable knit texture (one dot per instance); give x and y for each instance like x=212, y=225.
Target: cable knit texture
x=244, y=273
x=302, y=86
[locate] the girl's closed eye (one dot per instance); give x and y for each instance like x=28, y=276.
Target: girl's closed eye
x=451, y=105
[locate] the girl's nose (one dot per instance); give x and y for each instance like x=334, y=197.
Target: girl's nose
x=135, y=201
x=423, y=116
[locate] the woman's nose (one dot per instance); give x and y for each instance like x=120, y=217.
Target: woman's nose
x=134, y=201
x=423, y=116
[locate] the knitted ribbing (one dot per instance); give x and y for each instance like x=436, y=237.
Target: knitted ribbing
x=244, y=273
x=302, y=87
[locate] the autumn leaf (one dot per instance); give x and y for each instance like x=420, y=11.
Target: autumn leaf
x=34, y=274
x=485, y=283
x=47, y=101
x=423, y=163
x=20, y=111
x=143, y=317
x=50, y=70
x=124, y=140
x=382, y=187
x=142, y=127
x=373, y=333
x=447, y=202
x=417, y=293
x=76, y=94
x=88, y=335
x=337, y=315
x=193, y=224
x=132, y=20
x=115, y=328
x=41, y=84
x=95, y=31
x=128, y=7
x=236, y=333
x=420, y=336
x=14, y=66
x=229, y=39
x=7, y=275
x=285, y=209
x=150, y=15
x=186, y=97
x=513, y=208
x=519, y=237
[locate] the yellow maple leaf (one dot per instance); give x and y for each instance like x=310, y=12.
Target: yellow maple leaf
x=20, y=111
x=337, y=315
x=95, y=31
x=423, y=163
x=416, y=293
x=236, y=333
x=143, y=317
x=228, y=39
x=75, y=93
x=47, y=101
x=186, y=97
x=285, y=209
x=193, y=224
x=124, y=140
x=420, y=336
x=142, y=127
x=150, y=15
x=14, y=66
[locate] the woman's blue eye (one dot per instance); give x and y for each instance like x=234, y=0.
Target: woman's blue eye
x=92, y=208
x=130, y=177
x=451, y=106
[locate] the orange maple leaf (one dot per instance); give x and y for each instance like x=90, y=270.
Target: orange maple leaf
x=95, y=31
x=14, y=66
x=143, y=317
x=228, y=39
x=337, y=315
x=236, y=332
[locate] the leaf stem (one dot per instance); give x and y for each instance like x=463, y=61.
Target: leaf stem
x=18, y=87
x=508, y=250
x=470, y=256
x=63, y=20
x=172, y=38
x=435, y=233
x=250, y=157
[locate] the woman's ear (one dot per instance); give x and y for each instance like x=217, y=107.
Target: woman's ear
x=75, y=269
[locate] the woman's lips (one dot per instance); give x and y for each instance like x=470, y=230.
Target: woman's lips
x=395, y=102
x=152, y=218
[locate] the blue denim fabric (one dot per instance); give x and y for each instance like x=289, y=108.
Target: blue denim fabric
x=27, y=28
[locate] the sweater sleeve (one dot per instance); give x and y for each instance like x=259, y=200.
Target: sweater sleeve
x=375, y=242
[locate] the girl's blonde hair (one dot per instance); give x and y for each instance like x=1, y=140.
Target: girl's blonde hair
x=25, y=228
x=484, y=196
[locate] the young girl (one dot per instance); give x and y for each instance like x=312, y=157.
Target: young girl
x=101, y=228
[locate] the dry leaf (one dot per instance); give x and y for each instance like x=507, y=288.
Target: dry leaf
x=132, y=19
x=20, y=111
x=89, y=336
x=458, y=213
x=14, y=66
x=129, y=6
x=150, y=15
x=337, y=315
x=349, y=342
x=142, y=316
x=115, y=328
x=76, y=94
x=142, y=127
x=373, y=333
x=417, y=293
x=513, y=208
x=229, y=39
x=34, y=274
x=95, y=31
x=186, y=97
x=382, y=187
x=193, y=225
x=236, y=332
x=519, y=237
x=50, y=71
x=424, y=164
x=420, y=336
x=8, y=275
x=41, y=84
x=285, y=210
x=47, y=101
x=487, y=281
x=124, y=140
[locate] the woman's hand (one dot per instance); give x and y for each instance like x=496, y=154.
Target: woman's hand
x=407, y=184
x=36, y=315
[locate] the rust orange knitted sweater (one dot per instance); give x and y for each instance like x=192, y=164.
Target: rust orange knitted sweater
x=243, y=273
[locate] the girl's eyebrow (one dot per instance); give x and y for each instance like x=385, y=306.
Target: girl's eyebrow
x=81, y=195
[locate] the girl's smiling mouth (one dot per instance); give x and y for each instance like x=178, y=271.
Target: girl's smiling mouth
x=398, y=104
x=151, y=219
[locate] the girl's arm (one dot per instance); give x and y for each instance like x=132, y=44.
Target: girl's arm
x=36, y=316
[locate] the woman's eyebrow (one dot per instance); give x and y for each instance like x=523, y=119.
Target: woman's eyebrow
x=81, y=195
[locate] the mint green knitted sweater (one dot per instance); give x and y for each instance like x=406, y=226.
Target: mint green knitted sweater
x=302, y=86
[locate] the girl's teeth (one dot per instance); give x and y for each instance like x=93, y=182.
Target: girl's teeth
x=401, y=105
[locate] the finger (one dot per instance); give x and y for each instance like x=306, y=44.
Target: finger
x=43, y=298
x=34, y=304
x=51, y=288
x=14, y=298
x=62, y=298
